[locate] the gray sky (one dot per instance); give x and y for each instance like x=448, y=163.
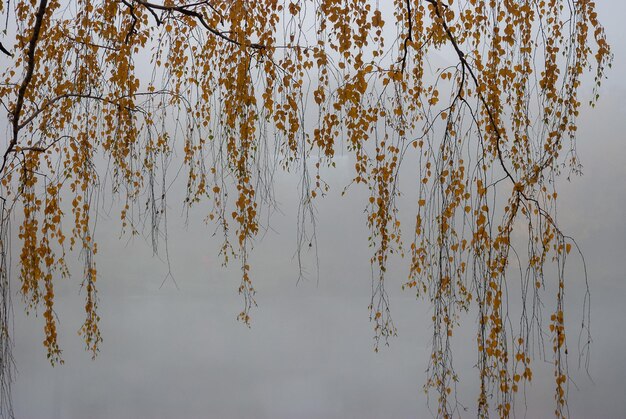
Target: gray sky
x=180, y=353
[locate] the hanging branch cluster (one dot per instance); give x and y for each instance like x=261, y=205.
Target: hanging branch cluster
x=246, y=88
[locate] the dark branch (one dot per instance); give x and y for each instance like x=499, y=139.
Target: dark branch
x=4, y=50
x=518, y=187
x=30, y=63
x=192, y=13
x=409, y=37
x=465, y=64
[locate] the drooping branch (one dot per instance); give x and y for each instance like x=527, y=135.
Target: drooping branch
x=462, y=58
x=518, y=186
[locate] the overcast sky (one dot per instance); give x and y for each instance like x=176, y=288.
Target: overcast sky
x=180, y=353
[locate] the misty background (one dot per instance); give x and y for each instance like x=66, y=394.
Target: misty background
x=171, y=352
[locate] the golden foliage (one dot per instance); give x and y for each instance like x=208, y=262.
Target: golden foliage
x=235, y=81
